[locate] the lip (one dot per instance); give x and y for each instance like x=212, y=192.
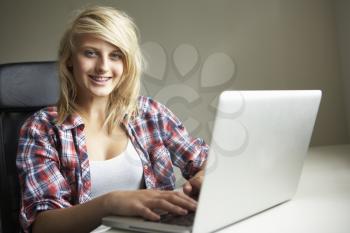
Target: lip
x=99, y=80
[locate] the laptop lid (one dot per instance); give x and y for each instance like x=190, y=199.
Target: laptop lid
x=259, y=142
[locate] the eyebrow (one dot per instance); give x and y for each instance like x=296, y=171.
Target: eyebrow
x=94, y=48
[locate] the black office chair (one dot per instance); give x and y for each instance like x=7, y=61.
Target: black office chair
x=24, y=88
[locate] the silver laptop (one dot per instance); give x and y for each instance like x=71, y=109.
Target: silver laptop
x=259, y=142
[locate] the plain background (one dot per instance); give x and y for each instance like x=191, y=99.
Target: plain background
x=274, y=44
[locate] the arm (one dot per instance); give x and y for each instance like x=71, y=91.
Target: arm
x=85, y=217
x=193, y=185
x=189, y=154
x=80, y=218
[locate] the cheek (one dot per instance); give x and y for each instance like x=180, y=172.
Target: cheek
x=80, y=67
x=119, y=69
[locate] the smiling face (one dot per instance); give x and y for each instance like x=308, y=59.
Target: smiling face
x=97, y=67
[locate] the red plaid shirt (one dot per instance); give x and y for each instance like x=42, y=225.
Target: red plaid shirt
x=53, y=164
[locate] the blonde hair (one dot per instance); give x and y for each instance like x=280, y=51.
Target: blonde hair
x=118, y=29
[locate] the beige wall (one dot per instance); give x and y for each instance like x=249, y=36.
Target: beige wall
x=270, y=44
x=343, y=26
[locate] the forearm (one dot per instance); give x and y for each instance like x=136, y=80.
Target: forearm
x=79, y=218
x=201, y=170
x=85, y=217
x=193, y=185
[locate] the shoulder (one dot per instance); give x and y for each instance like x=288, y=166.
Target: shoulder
x=147, y=105
x=151, y=109
x=43, y=120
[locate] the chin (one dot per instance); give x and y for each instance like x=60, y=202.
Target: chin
x=101, y=92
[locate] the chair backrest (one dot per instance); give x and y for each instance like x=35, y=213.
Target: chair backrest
x=24, y=88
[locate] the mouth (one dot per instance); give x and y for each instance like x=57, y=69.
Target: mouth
x=99, y=79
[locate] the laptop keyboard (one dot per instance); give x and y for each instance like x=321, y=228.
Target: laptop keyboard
x=182, y=220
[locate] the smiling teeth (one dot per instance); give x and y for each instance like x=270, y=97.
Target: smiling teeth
x=99, y=78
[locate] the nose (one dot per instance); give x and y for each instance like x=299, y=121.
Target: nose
x=101, y=65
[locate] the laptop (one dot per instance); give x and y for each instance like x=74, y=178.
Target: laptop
x=259, y=142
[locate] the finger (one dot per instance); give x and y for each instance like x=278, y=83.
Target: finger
x=181, y=200
x=175, y=196
x=187, y=188
x=163, y=204
x=196, y=182
x=186, y=197
x=169, y=195
x=147, y=213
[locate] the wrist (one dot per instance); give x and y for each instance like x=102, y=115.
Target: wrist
x=113, y=202
x=199, y=174
x=107, y=203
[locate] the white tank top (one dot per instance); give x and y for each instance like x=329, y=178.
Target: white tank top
x=123, y=172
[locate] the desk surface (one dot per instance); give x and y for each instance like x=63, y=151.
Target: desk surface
x=321, y=204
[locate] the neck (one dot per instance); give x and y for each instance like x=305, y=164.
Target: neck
x=93, y=110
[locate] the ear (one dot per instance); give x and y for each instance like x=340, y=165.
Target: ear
x=69, y=63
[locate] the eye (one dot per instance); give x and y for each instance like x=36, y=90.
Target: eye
x=116, y=56
x=90, y=53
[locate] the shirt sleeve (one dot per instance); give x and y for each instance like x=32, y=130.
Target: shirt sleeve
x=42, y=185
x=187, y=153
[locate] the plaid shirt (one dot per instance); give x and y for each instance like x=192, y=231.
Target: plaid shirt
x=53, y=164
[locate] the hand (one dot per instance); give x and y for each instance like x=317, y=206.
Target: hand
x=148, y=203
x=192, y=186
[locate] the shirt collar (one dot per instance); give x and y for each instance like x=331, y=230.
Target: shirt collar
x=71, y=122
x=75, y=121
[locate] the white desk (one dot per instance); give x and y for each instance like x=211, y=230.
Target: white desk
x=321, y=204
